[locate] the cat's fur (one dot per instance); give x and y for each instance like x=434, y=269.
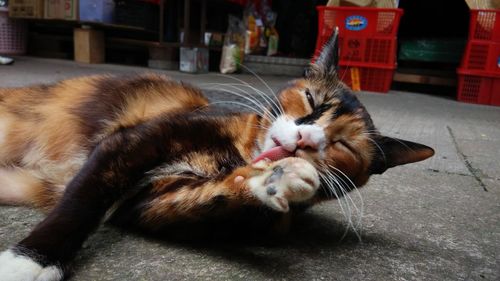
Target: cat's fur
x=150, y=152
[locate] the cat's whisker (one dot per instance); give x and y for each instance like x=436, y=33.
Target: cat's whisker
x=344, y=199
x=338, y=179
x=269, y=100
x=252, y=100
x=236, y=103
x=235, y=86
x=358, y=211
x=332, y=186
x=260, y=127
x=354, y=187
x=327, y=187
x=375, y=133
x=378, y=146
x=272, y=100
x=258, y=77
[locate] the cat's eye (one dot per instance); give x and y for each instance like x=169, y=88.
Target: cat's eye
x=310, y=98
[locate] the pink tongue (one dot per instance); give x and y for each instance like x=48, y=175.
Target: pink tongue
x=273, y=154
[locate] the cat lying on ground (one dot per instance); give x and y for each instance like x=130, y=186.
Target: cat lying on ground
x=150, y=152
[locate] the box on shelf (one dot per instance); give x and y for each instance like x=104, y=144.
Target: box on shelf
x=83, y=10
x=193, y=60
x=97, y=10
x=26, y=8
x=61, y=9
x=365, y=3
x=484, y=4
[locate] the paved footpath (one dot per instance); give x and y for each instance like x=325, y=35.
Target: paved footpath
x=435, y=220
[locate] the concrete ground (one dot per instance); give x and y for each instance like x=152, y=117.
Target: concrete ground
x=434, y=220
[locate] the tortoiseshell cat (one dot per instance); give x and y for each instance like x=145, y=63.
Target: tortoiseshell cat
x=151, y=153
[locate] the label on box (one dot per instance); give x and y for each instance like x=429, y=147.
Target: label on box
x=356, y=23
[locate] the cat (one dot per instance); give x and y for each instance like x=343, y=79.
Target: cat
x=150, y=152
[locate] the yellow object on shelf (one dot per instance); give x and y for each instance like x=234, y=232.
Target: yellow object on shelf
x=355, y=79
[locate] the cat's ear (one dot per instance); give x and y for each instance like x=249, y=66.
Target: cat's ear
x=328, y=60
x=391, y=152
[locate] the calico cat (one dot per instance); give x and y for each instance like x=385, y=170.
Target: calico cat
x=150, y=152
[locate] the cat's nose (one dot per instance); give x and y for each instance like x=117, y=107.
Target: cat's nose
x=306, y=141
x=310, y=137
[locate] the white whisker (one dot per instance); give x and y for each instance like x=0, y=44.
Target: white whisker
x=252, y=100
x=263, y=95
x=340, y=182
x=258, y=77
x=354, y=187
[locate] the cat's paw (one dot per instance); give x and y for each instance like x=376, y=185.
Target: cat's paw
x=288, y=180
x=14, y=267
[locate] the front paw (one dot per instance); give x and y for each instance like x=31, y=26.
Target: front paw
x=288, y=180
x=15, y=267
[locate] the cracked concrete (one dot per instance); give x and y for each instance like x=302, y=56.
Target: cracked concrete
x=428, y=221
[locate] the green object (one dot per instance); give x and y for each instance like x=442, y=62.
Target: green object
x=432, y=50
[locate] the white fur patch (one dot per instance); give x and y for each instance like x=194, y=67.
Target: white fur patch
x=285, y=131
x=4, y=129
x=288, y=134
x=20, y=268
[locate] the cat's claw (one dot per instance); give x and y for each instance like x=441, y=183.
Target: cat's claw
x=288, y=180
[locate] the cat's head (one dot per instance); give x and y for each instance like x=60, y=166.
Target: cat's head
x=320, y=119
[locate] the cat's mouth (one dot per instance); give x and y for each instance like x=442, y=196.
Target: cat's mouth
x=274, y=154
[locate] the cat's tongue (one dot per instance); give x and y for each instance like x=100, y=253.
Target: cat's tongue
x=273, y=154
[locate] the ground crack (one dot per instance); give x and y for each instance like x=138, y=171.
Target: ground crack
x=471, y=169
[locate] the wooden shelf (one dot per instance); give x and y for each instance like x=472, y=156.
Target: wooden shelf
x=92, y=24
x=424, y=79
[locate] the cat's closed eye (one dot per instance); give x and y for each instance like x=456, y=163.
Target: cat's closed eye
x=310, y=98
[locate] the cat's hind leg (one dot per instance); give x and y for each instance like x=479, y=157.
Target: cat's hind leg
x=20, y=186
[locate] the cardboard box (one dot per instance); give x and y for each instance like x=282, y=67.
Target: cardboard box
x=89, y=45
x=485, y=4
x=61, y=9
x=194, y=60
x=364, y=3
x=26, y=9
x=82, y=10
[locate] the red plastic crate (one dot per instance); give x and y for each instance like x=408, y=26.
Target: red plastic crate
x=12, y=35
x=373, y=79
x=484, y=25
x=366, y=35
x=474, y=87
x=482, y=56
x=365, y=50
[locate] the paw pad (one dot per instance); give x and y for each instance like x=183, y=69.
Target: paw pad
x=288, y=180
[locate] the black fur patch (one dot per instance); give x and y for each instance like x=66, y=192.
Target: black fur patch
x=349, y=103
x=315, y=115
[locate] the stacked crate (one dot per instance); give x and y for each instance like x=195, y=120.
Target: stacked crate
x=12, y=34
x=367, y=43
x=479, y=72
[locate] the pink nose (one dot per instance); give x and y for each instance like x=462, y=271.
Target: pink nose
x=305, y=140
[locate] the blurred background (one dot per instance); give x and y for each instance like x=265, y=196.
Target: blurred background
x=421, y=46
